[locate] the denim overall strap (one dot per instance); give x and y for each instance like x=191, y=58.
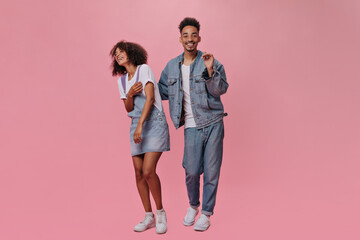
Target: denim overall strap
x=123, y=83
x=123, y=80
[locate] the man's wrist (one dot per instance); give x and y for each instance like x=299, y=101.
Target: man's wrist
x=210, y=72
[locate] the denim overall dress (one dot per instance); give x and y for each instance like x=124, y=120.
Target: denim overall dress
x=155, y=135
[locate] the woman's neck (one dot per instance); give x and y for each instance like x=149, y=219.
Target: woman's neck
x=131, y=70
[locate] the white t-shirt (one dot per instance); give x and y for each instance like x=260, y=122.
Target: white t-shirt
x=146, y=75
x=189, y=117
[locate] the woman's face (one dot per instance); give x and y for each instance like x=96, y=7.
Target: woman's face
x=121, y=57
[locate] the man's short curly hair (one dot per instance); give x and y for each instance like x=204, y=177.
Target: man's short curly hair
x=137, y=55
x=189, y=22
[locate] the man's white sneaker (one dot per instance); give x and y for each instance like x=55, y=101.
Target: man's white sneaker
x=190, y=216
x=146, y=223
x=161, y=225
x=203, y=223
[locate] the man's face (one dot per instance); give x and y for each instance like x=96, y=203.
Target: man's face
x=190, y=38
x=121, y=57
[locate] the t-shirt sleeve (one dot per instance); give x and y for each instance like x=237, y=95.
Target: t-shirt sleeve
x=146, y=75
x=121, y=90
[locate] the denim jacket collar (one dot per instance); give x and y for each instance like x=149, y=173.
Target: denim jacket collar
x=180, y=59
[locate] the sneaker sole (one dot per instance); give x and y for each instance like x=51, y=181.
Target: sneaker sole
x=188, y=224
x=161, y=232
x=201, y=229
x=151, y=226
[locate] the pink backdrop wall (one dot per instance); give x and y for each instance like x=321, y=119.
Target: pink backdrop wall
x=291, y=162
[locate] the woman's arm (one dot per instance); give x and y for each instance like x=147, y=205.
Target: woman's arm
x=129, y=101
x=149, y=93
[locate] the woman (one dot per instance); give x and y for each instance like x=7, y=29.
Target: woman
x=149, y=131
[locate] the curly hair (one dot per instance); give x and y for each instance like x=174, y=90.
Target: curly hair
x=189, y=22
x=137, y=55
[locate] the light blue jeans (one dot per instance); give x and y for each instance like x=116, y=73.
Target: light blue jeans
x=203, y=154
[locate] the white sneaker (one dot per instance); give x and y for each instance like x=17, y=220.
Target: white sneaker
x=146, y=223
x=203, y=223
x=190, y=216
x=161, y=225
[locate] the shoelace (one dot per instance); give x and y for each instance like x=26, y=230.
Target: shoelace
x=160, y=217
x=202, y=219
x=146, y=217
x=143, y=221
x=189, y=211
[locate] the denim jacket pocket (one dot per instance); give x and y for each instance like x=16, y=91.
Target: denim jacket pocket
x=200, y=85
x=172, y=86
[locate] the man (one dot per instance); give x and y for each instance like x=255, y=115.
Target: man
x=193, y=83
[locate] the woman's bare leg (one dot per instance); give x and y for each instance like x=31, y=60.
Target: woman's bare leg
x=149, y=172
x=141, y=182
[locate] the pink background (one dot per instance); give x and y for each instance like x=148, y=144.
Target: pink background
x=292, y=144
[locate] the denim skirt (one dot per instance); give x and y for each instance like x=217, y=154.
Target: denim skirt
x=155, y=135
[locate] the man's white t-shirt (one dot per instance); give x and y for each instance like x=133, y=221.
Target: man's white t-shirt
x=146, y=75
x=189, y=117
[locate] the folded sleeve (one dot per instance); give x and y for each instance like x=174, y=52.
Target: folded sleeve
x=121, y=90
x=146, y=75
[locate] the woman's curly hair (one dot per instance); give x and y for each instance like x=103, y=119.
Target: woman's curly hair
x=137, y=55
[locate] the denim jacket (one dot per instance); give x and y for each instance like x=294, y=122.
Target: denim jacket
x=205, y=91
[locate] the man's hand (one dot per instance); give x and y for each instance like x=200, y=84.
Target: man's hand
x=209, y=62
x=136, y=88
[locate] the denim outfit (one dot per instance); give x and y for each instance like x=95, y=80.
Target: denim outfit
x=203, y=143
x=155, y=135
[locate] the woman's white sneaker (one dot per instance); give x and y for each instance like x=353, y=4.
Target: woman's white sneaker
x=190, y=216
x=203, y=223
x=161, y=224
x=146, y=223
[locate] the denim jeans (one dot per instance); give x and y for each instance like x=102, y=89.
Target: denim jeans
x=203, y=154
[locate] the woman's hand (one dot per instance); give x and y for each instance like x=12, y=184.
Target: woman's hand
x=135, y=89
x=137, y=133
